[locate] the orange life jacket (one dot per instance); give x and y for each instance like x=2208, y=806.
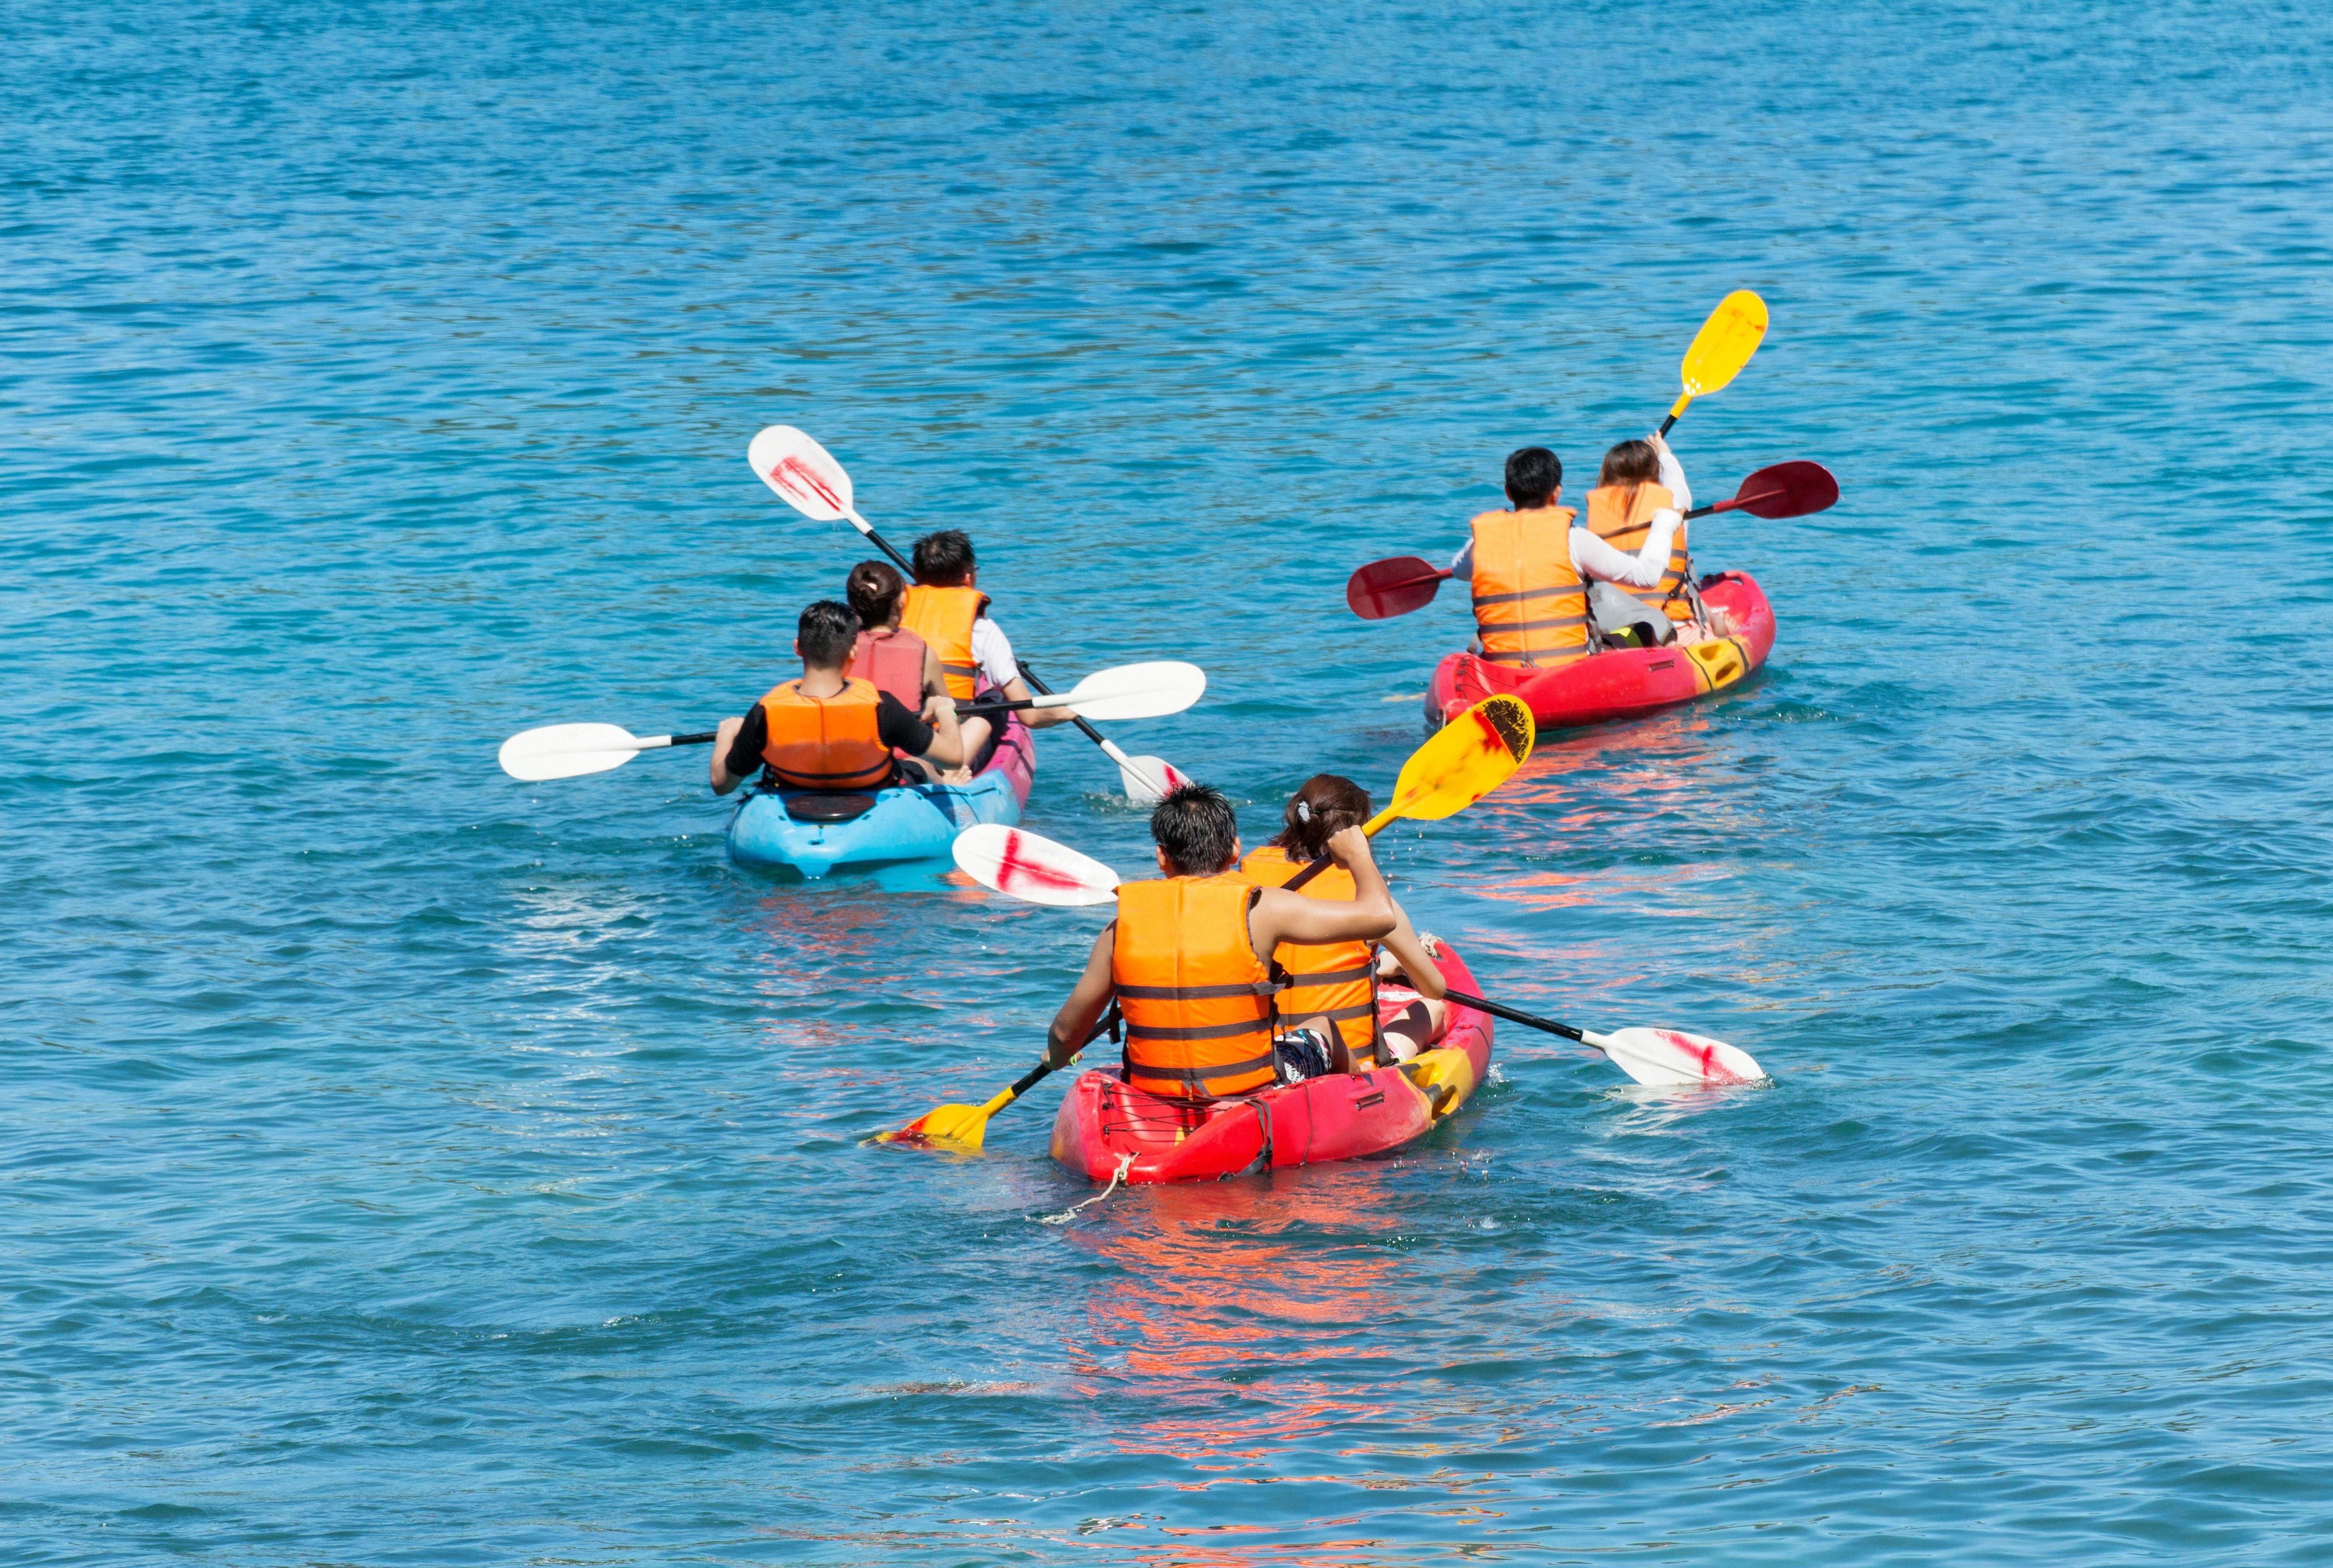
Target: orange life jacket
x=1531, y=607
x=1197, y=1001
x=894, y=662
x=826, y=742
x=1623, y=523
x=943, y=617
x=1338, y=979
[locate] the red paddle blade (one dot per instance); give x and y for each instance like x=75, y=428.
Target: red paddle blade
x=1394, y=586
x=1787, y=490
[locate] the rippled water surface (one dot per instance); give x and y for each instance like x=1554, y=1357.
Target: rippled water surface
x=404, y=1164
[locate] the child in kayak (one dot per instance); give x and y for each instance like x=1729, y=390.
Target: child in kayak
x=1345, y=981
x=1188, y=960
x=894, y=658
x=947, y=610
x=1529, y=567
x=827, y=730
x=1639, y=481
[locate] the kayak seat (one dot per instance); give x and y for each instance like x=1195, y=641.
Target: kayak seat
x=828, y=807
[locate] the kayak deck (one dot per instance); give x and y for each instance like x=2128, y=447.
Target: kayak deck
x=1103, y=1123
x=1624, y=682
x=907, y=822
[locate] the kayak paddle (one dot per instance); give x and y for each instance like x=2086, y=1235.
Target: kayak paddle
x=1036, y=870
x=964, y=1127
x=1150, y=691
x=809, y=479
x=1783, y=490
x=1402, y=583
x=1720, y=349
x=571, y=751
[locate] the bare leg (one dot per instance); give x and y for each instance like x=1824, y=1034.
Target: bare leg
x=1415, y=1028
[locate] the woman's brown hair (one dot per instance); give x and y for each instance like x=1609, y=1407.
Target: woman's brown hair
x=1631, y=463
x=873, y=588
x=1328, y=803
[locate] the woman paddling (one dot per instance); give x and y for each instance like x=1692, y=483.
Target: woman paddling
x=1342, y=982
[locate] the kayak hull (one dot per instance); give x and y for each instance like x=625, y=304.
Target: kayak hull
x=1624, y=683
x=1103, y=1123
x=908, y=822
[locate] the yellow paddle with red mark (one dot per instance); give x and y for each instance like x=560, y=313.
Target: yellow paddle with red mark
x=1720, y=349
x=1462, y=761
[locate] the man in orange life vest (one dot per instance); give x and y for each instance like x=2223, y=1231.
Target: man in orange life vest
x=893, y=657
x=1188, y=960
x=1529, y=567
x=947, y=610
x=827, y=730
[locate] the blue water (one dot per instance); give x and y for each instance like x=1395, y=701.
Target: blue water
x=408, y=1165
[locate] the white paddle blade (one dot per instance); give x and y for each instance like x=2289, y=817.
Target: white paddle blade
x=1031, y=868
x=567, y=751
x=802, y=472
x=1672, y=1058
x=1150, y=691
x=1136, y=774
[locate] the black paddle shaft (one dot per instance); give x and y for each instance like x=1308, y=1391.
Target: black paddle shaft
x=1516, y=1014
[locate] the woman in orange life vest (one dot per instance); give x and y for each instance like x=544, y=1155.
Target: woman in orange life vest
x=947, y=608
x=1641, y=479
x=827, y=730
x=1529, y=567
x=1187, y=961
x=1341, y=982
x=894, y=658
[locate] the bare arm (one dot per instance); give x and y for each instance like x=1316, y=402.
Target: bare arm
x=935, y=678
x=1018, y=691
x=1280, y=915
x=1079, y=1015
x=948, y=741
x=1402, y=942
x=723, y=738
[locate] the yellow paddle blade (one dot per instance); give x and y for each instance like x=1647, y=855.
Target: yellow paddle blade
x=960, y=1127
x=1468, y=758
x=1724, y=343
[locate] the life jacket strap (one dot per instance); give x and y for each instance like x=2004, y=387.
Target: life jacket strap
x=1260, y=1024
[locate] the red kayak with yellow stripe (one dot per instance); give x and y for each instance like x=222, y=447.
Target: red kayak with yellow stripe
x=1623, y=683
x=1105, y=1127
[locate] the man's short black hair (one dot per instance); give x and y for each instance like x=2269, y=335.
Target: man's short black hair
x=943, y=560
x=826, y=633
x=1199, y=829
x=1533, y=474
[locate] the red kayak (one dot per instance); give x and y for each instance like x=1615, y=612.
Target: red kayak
x=1341, y=1117
x=1625, y=681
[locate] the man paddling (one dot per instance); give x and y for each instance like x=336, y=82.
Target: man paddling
x=1529, y=567
x=827, y=730
x=1184, y=960
x=947, y=610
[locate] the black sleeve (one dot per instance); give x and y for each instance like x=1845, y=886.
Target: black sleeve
x=744, y=758
x=899, y=729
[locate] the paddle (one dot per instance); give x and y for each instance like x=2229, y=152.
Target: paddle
x=1402, y=583
x=571, y=751
x=1720, y=349
x=1150, y=691
x=966, y=1127
x=1036, y=870
x=809, y=479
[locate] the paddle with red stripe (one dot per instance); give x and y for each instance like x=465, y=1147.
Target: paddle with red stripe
x=1036, y=870
x=806, y=476
x=1403, y=583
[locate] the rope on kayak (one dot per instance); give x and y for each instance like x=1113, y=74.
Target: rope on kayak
x=1064, y=1216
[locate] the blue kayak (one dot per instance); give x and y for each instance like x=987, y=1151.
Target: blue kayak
x=810, y=834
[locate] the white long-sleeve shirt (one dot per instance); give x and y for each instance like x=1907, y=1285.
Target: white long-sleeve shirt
x=1591, y=557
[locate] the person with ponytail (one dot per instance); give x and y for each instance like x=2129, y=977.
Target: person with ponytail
x=1641, y=482
x=1344, y=982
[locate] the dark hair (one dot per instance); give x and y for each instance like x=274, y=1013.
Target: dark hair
x=1199, y=829
x=1631, y=463
x=827, y=633
x=943, y=560
x=874, y=587
x=1533, y=474
x=1327, y=803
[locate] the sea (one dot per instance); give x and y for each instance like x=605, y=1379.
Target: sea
x=407, y=1165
